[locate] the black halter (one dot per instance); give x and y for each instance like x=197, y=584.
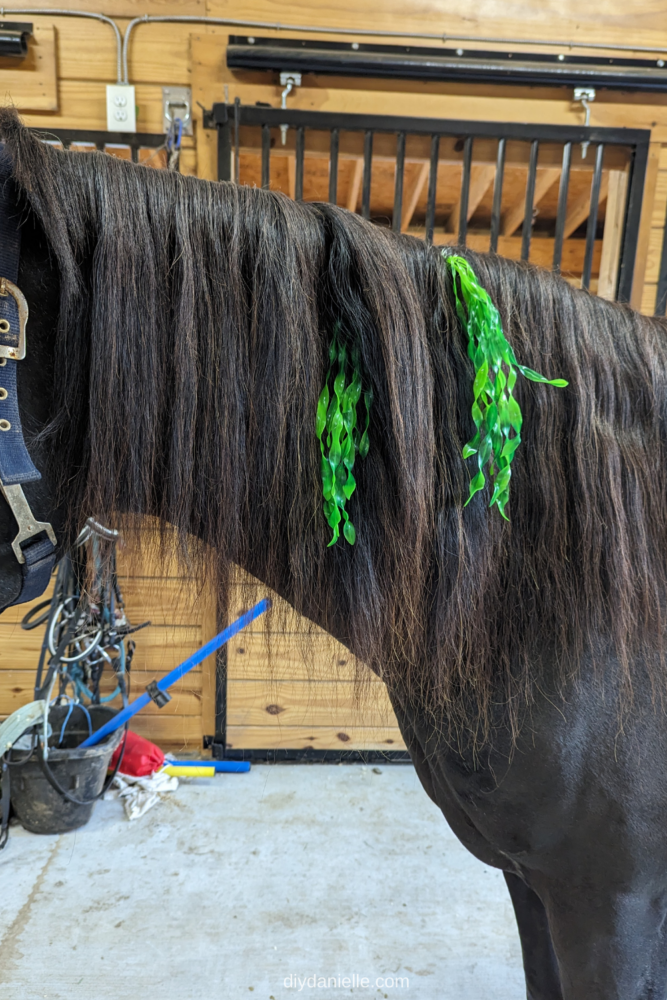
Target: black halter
x=35, y=544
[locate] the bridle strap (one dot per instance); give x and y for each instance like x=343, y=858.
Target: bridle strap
x=34, y=546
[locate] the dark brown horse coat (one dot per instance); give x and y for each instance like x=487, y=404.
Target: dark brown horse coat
x=177, y=346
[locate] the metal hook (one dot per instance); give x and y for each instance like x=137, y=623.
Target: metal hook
x=289, y=81
x=585, y=96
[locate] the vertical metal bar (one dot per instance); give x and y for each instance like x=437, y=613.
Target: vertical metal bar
x=225, y=151
x=633, y=215
x=333, y=165
x=592, y=218
x=661, y=296
x=237, y=116
x=497, y=196
x=368, y=166
x=561, y=212
x=398, y=186
x=432, y=188
x=266, y=157
x=221, y=674
x=298, y=172
x=527, y=231
x=465, y=190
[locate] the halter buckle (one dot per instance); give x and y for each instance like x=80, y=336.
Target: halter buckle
x=29, y=526
x=17, y=353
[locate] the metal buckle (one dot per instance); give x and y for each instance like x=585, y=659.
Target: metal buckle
x=15, y=353
x=29, y=526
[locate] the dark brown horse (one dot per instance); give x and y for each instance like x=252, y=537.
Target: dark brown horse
x=177, y=346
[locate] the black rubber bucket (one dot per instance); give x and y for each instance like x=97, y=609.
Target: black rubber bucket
x=80, y=772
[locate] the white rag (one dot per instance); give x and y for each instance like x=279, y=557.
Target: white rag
x=141, y=794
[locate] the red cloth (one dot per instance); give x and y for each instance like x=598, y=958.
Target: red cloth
x=141, y=757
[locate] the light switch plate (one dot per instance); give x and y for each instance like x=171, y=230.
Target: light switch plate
x=121, y=108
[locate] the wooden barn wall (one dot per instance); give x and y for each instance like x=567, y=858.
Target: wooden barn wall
x=296, y=699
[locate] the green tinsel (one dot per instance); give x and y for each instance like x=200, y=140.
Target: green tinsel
x=495, y=411
x=340, y=437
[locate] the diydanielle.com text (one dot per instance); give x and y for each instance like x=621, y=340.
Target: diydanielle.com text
x=346, y=982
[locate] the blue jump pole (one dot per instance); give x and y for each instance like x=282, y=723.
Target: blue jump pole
x=221, y=766
x=178, y=672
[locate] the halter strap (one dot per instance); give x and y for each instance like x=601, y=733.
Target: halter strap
x=35, y=544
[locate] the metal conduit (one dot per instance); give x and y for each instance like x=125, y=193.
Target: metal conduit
x=61, y=12
x=368, y=32
x=123, y=42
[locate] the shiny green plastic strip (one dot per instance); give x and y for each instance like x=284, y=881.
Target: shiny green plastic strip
x=495, y=411
x=340, y=436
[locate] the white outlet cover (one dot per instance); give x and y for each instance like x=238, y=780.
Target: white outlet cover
x=121, y=108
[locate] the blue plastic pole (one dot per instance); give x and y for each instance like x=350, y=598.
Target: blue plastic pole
x=221, y=766
x=175, y=675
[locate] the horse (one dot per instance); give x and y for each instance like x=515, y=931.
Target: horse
x=178, y=342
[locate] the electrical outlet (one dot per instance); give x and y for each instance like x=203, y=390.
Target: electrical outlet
x=121, y=108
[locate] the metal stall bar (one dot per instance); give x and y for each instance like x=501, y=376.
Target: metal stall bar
x=393, y=124
x=527, y=230
x=633, y=216
x=661, y=295
x=266, y=157
x=432, y=188
x=225, y=150
x=237, y=165
x=497, y=196
x=298, y=171
x=333, y=166
x=561, y=211
x=592, y=217
x=135, y=140
x=398, y=187
x=368, y=167
x=465, y=190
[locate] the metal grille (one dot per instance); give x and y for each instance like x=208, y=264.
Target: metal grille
x=468, y=183
x=140, y=147
x=581, y=170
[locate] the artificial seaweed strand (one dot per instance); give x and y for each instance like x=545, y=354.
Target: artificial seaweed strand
x=340, y=437
x=495, y=411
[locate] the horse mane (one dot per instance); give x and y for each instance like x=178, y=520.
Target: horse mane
x=191, y=347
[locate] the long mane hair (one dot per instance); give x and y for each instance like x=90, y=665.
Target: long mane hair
x=191, y=347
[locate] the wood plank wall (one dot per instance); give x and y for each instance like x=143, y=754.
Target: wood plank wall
x=288, y=700
x=182, y=619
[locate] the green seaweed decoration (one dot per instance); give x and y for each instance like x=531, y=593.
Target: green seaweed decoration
x=495, y=411
x=340, y=436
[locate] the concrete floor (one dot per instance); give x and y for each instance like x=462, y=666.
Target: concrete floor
x=235, y=883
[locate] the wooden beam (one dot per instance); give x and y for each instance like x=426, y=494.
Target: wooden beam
x=481, y=179
x=541, y=249
x=291, y=175
x=580, y=210
x=355, y=184
x=314, y=737
x=513, y=217
x=613, y=233
x=412, y=194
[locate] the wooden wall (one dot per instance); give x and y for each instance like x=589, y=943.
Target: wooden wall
x=63, y=84
x=182, y=619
